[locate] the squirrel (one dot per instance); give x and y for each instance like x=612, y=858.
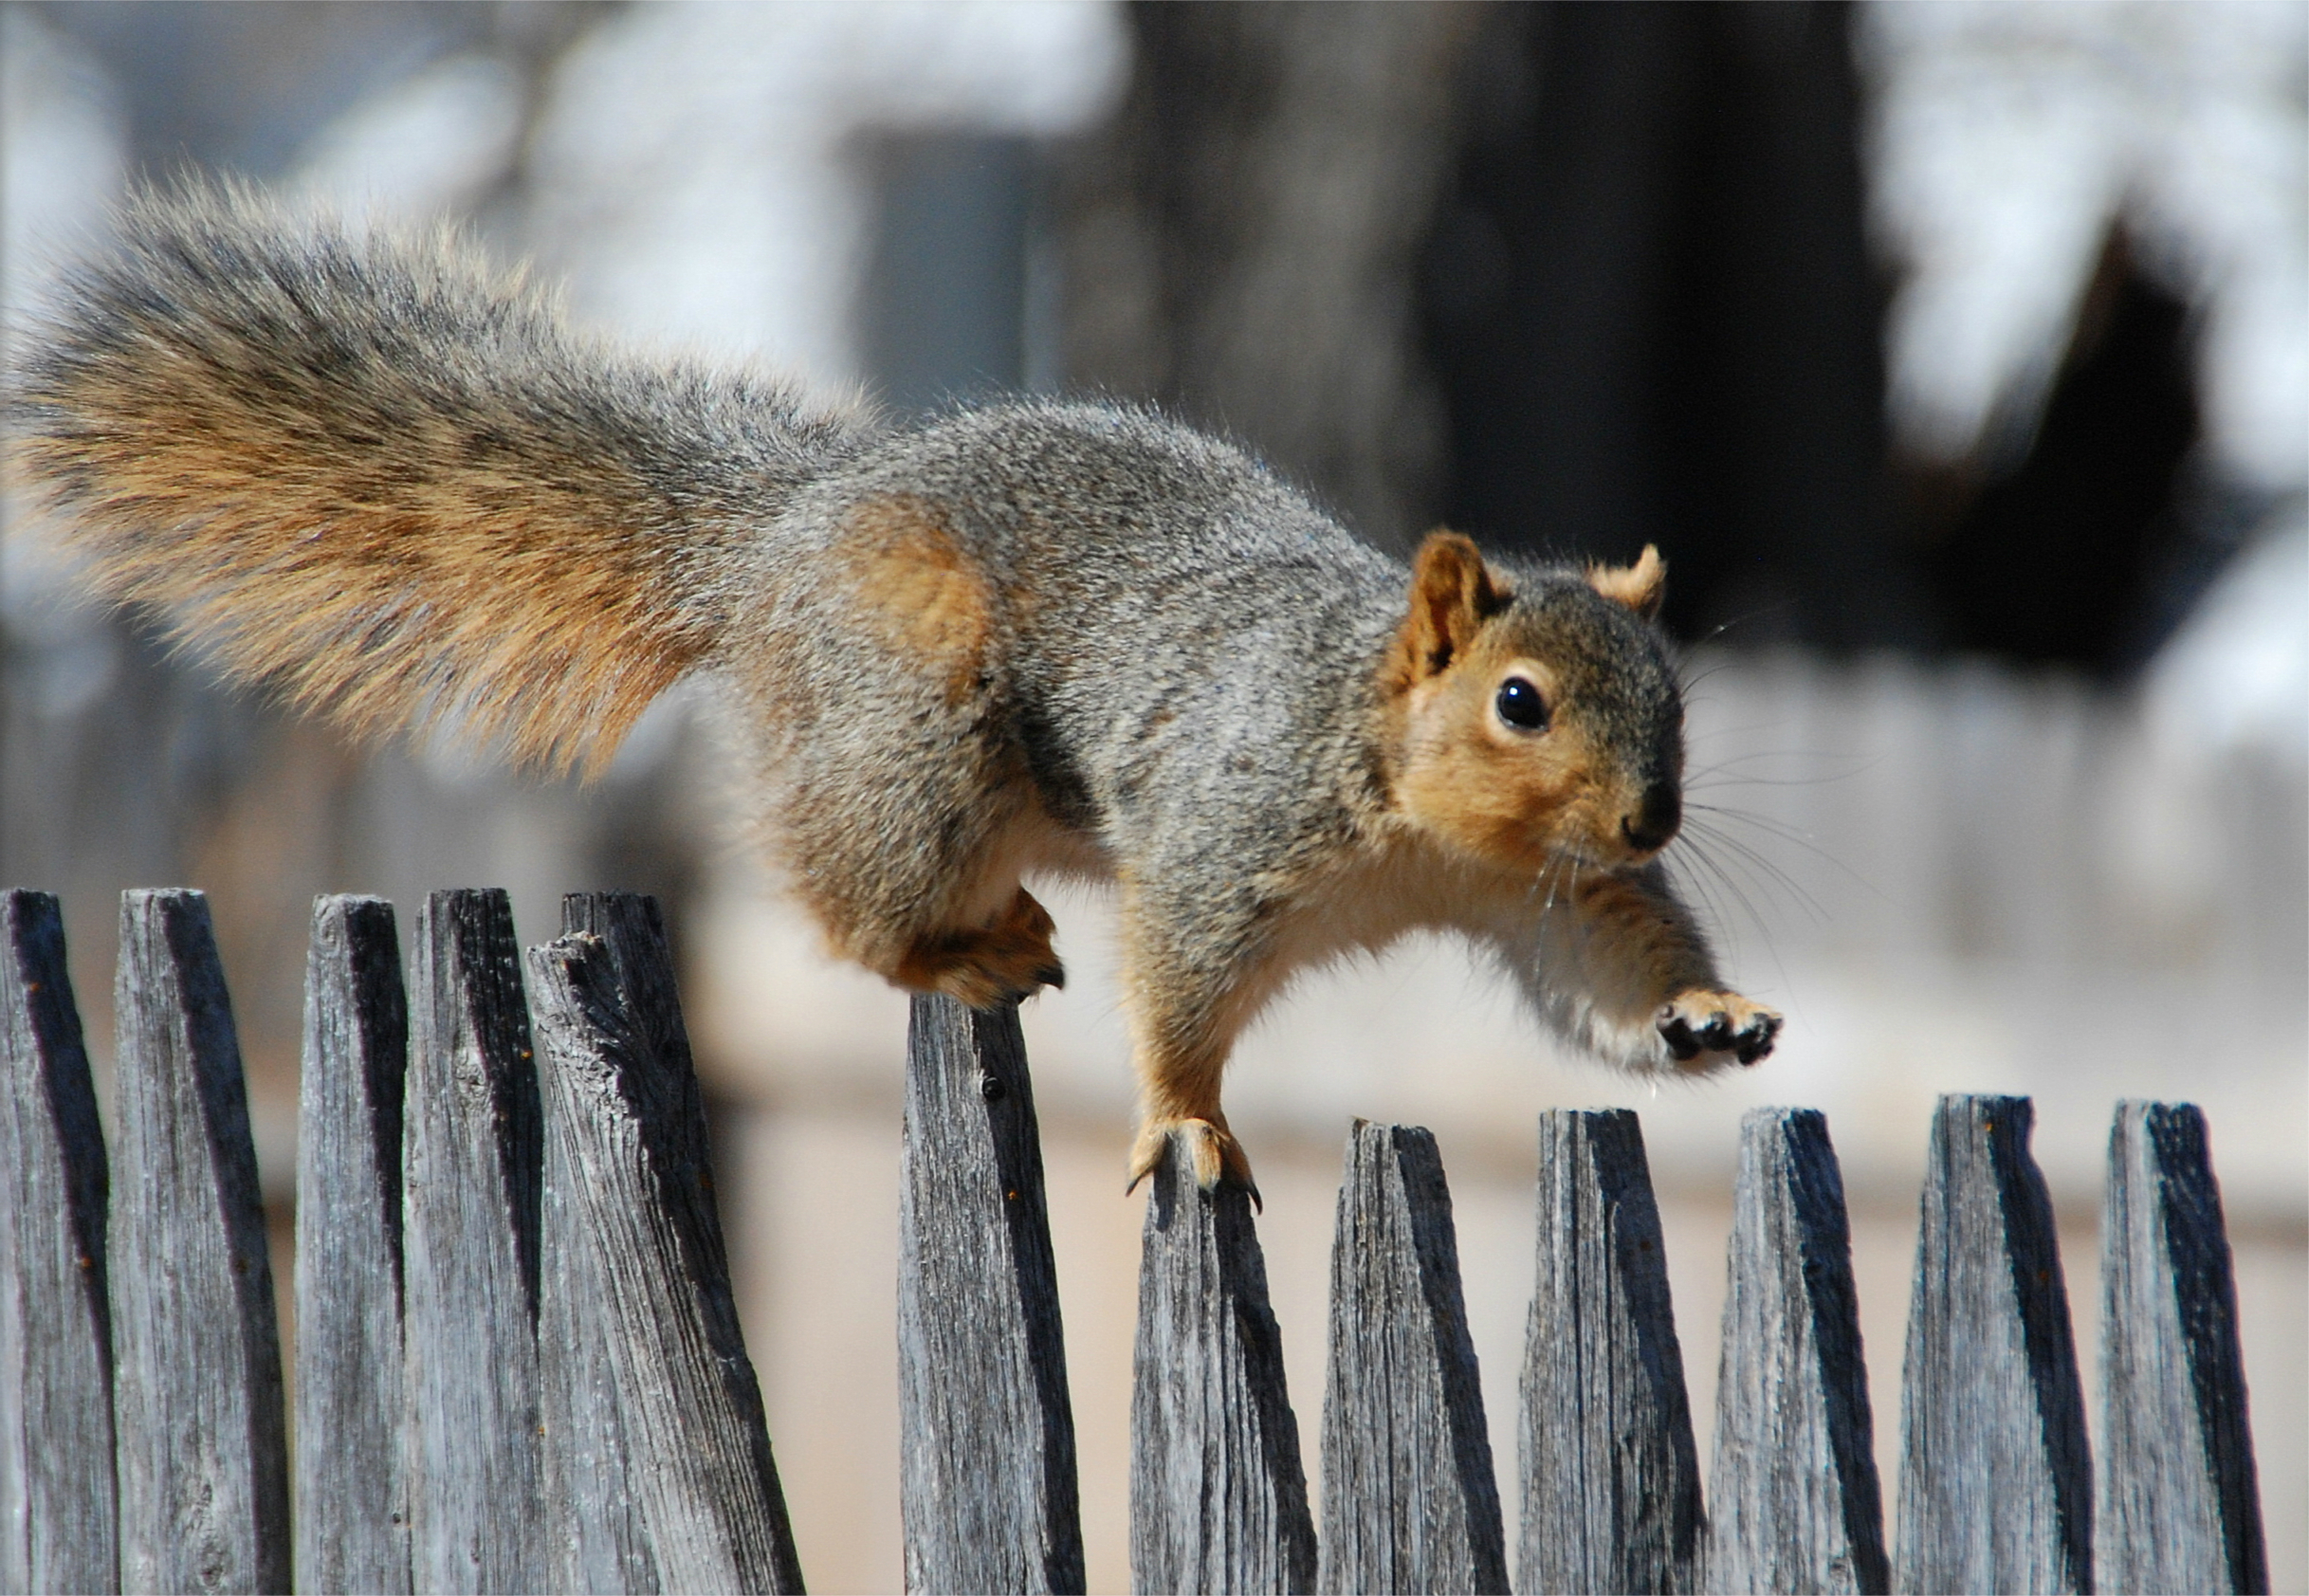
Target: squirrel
x=384, y=476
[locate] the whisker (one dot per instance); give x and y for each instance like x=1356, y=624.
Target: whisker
x=1700, y=859
x=1711, y=782
x=1687, y=682
x=1701, y=874
x=1733, y=768
x=1764, y=875
x=1695, y=858
x=1761, y=869
x=1784, y=832
x=1722, y=627
x=1711, y=733
x=1717, y=835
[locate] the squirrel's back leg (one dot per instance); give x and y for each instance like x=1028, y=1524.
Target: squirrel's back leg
x=1009, y=957
x=905, y=810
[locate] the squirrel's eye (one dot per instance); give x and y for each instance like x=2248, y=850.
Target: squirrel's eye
x=1520, y=704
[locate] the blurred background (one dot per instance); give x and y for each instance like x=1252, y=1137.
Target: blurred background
x=1956, y=355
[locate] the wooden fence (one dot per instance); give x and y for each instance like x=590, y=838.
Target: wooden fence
x=518, y=1367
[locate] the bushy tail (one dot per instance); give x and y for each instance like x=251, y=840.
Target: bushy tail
x=383, y=476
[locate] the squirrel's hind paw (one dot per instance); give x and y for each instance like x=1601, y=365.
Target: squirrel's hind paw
x=1211, y=1152
x=1700, y=1022
x=1006, y=961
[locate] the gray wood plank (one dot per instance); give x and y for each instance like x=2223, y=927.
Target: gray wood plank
x=351, y=1532
x=1218, y=1496
x=987, y=1434
x=1793, y=1503
x=59, y=1511
x=1410, y=1501
x=658, y=1459
x=596, y=1540
x=1995, y=1471
x=470, y=1188
x=1610, y=1476
x=202, y=1458
x=2180, y=1499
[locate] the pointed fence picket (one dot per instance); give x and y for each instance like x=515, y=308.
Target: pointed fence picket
x=200, y=1446
x=352, y=1529
x=2180, y=1504
x=520, y=1365
x=657, y=1461
x=58, y=1500
x=988, y=1494
x=1793, y=1502
x=1218, y=1494
x=1410, y=1498
x=472, y=1180
x=1995, y=1471
x=1610, y=1476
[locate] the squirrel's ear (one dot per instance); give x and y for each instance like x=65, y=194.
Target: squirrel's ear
x=1452, y=594
x=1639, y=586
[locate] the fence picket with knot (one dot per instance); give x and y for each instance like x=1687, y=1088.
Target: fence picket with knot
x=519, y=1365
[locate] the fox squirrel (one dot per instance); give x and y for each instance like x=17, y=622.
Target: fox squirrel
x=1073, y=638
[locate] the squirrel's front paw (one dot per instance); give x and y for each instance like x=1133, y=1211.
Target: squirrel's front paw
x=1701, y=1021
x=1210, y=1150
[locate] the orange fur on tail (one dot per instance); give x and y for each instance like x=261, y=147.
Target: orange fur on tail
x=382, y=477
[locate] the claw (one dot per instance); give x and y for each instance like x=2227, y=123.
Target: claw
x=1213, y=1155
x=1713, y=1022
x=1676, y=1033
x=1757, y=1042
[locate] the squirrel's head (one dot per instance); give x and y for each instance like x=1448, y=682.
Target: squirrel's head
x=1534, y=715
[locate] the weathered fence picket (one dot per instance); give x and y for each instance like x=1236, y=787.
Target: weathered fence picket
x=1410, y=1501
x=1218, y=1494
x=351, y=1532
x=201, y=1452
x=471, y=1177
x=987, y=1482
x=2180, y=1501
x=520, y=1365
x=657, y=1461
x=1610, y=1475
x=1792, y=1497
x=1996, y=1477
x=58, y=1523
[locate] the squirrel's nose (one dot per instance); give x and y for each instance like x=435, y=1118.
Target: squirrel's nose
x=1652, y=825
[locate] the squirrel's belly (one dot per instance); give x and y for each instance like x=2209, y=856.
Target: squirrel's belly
x=1034, y=843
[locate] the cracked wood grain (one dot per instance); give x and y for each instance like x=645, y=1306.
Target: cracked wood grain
x=470, y=1188
x=58, y=1508
x=351, y=1532
x=1218, y=1494
x=202, y=1458
x=1410, y=1501
x=1995, y=1473
x=988, y=1483
x=1793, y=1502
x=1610, y=1475
x=2180, y=1500
x=658, y=1461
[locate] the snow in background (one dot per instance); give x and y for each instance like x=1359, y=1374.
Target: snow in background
x=2005, y=140
x=694, y=165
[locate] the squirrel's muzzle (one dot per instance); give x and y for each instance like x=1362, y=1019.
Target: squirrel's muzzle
x=1651, y=825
